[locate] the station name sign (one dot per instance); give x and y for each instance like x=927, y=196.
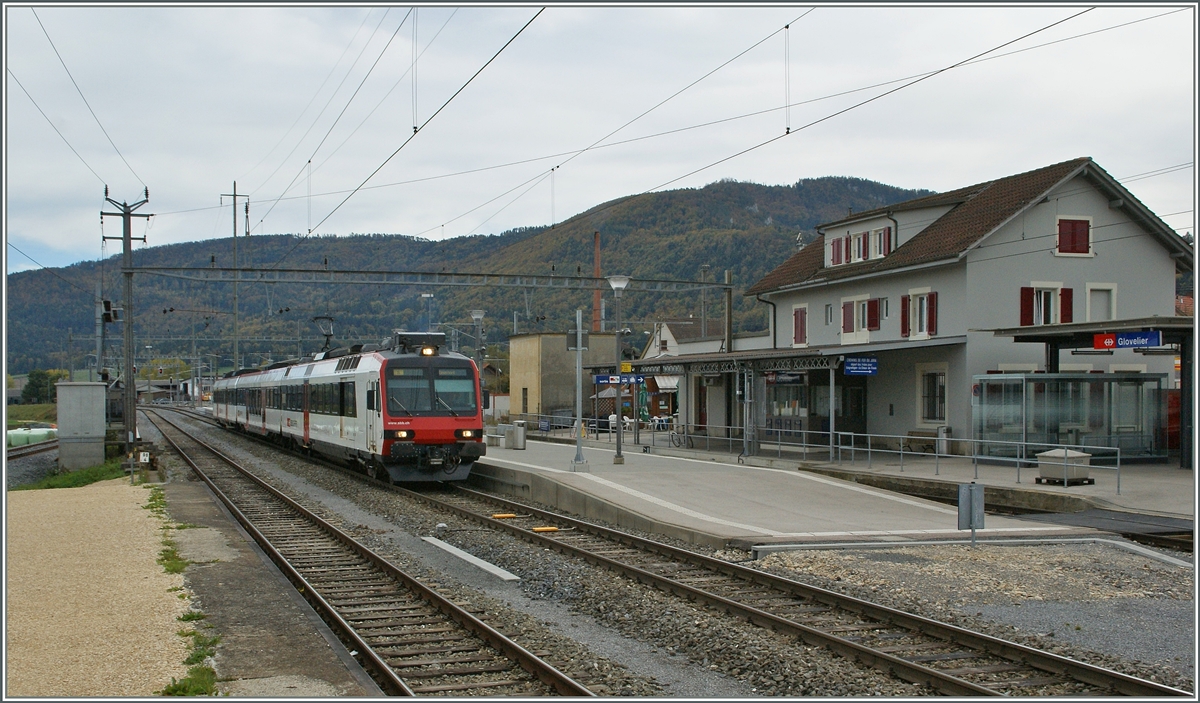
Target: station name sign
x=1127, y=340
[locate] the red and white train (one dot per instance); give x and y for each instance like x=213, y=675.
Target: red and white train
x=405, y=409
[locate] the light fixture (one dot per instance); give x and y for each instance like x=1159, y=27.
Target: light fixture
x=477, y=316
x=428, y=351
x=618, y=283
x=1091, y=352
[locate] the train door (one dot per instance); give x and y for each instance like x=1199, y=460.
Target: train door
x=262, y=404
x=306, y=387
x=373, y=403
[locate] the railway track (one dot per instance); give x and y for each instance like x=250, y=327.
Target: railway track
x=30, y=449
x=411, y=639
x=949, y=659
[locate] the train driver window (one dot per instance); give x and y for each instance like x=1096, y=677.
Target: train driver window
x=454, y=389
x=408, y=391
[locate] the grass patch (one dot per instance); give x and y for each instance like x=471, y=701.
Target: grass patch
x=24, y=415
x=191, y=615
x=203, y=646
x=157, y=502
x=170, y=560
x=200, y=681
x=74, y=479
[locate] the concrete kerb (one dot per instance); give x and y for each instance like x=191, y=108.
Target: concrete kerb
x=528, y=485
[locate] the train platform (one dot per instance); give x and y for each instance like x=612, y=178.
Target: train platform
x=710, y=498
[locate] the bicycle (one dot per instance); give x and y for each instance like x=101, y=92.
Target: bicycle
x=679, y=436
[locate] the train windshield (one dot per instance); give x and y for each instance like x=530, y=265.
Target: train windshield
x=454, y=390
x=408, y=391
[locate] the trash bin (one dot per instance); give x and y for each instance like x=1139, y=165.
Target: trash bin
x=1059, y=463
x=518, y=435
x=943, y=442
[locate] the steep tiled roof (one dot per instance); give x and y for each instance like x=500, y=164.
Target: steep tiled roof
x=977, y=211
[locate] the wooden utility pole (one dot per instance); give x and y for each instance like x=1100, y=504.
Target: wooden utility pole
x=126, y=214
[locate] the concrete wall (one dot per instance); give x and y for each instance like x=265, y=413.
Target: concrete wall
x=80, y=425
x=543, y=364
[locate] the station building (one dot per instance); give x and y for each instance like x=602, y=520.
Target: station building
x=891, y=319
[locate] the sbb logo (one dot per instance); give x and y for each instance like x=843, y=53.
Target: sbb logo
x=1104, y=341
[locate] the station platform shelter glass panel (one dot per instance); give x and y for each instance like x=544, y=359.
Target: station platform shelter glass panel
x=1017, y=415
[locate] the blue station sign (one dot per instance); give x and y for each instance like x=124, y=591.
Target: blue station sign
x=618, y=379
x=1128, y=340
x=860, y=366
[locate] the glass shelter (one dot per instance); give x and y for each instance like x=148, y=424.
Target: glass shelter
x=1017, y=415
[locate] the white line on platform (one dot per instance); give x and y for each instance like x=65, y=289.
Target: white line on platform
x=648, y=498
x=474, y=560
x=878, y=493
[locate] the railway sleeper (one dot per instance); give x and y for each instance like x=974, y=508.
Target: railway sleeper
x=461, y=671
x=466, y=686
x=404, y=663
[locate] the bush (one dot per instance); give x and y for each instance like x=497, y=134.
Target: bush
x=74, y=479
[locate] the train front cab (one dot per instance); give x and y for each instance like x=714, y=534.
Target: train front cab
x=431, y=411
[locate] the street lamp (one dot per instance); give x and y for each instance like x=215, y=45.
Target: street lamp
x=477, y=316
x=618, y=284
x=427, y=298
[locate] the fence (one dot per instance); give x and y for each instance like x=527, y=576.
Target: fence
x=814, y=445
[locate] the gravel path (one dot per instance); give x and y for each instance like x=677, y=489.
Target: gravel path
x=99, y=618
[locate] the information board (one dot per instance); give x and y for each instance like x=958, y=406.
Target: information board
x=860, y=366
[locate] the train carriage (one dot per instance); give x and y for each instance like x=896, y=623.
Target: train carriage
x=405, y=410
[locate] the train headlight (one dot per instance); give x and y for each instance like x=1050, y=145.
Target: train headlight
x=401, y=434
x=468, y=434
x=428, y=351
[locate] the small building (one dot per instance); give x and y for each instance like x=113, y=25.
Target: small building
x=542, y=371
x=81, y=425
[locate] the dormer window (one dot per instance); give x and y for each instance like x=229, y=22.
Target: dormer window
x=862, y=246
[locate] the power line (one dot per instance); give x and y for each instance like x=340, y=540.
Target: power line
x=85, y=100
x=310, y=100
x=695, y=126
x=48, y=270
x=60, y=134
x=431, y=117
x=322, y=112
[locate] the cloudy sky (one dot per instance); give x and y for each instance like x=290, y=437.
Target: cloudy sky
x=620, y=99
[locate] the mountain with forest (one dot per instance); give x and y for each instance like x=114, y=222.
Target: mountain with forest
x=746, y=228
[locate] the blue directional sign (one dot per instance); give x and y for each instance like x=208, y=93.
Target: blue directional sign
x=860, y=366
x=613, y=380
x=1128, y=340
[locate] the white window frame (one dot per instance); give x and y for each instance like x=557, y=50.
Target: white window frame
x=807, y=326
x=915, y=297
x=856, y=247
x=922, y=369
x=1091, y=252
x=860, y=335
x=829, y=316
x=1055, y=290
x=1112, y=299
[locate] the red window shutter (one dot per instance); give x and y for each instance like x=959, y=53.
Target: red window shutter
x=1082, y=236
x=1066, y=236
x=848, y=317
x=836, y=252
x=1026, y=306
x=887, y=241
x=904, y=316
x=800, y=326
x=932, y=325
x=873, y=314
x=846, y=247
x=1073, y=236
x=1066, y=305
x=864, y=245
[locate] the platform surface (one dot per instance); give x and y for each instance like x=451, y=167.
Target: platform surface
x=719, y=497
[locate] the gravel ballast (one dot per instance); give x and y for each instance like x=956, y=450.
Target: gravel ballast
x=586, y=618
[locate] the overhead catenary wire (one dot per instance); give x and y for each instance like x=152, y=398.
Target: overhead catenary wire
x=701, y=125
x=339, y=117
x=310, y=102
x=85, y=100
x=431, y=117
x=52, y=125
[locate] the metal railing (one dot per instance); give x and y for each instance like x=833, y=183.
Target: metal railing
x=815, y=445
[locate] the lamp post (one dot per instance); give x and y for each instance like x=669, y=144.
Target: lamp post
x=477, y=316
x=618, y=284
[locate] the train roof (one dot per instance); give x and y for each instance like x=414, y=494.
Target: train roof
x=401, y=344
